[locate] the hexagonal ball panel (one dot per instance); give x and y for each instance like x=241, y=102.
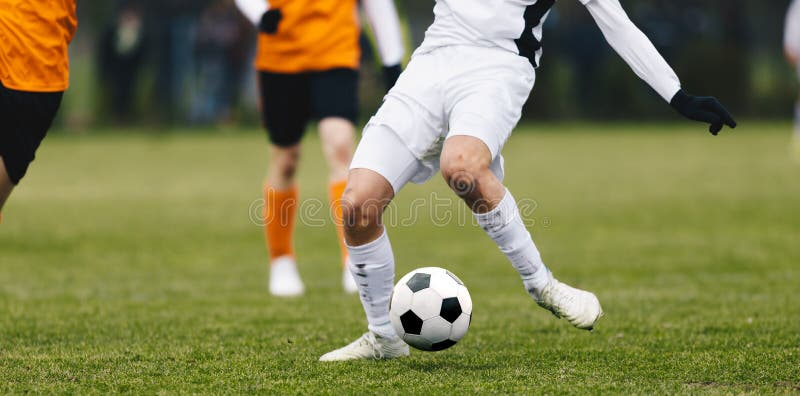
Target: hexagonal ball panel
x=412, y=324
x=419, y=282
x=444, y=285
x=426, y=303
x=436, y=329
x=401, y=299
x=439, y=346
x=460, y=327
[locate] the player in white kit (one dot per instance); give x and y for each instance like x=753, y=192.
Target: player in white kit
x=791, y=45
x=453, y=109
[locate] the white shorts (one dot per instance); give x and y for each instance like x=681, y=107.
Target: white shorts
x=450, y=91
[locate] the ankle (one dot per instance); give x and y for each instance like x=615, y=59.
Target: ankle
x=385, y=331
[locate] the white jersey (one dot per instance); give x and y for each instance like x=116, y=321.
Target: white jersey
x=516, y=26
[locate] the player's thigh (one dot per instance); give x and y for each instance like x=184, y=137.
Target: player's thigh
x=338, y=140
x=486, y=102
x=25, y=118
x=465, y=154
x=334, y=94
x=285, y=106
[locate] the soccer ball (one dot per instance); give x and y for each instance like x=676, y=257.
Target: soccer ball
x=430, y=309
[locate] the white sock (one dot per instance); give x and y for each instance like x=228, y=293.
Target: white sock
x=372, y=266
x=505, y=226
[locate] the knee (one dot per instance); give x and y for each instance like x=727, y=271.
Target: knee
x=342, y=150
x=360, y=211
x=286, y=161
x=462, y=172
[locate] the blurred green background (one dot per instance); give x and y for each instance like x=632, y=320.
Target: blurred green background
x=185, y=62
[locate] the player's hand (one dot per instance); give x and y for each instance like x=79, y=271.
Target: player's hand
x=269, y=21
x=390, y=75
x=704, y=109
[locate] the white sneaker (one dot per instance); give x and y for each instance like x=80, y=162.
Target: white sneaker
x=284, y=280
x=579, y=307
x=369, y=346
x=348, y=281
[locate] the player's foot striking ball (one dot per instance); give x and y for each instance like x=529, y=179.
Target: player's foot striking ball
x=453, y=109
x=430, y=309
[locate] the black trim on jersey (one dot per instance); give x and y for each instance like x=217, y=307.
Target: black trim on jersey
x=527, y=44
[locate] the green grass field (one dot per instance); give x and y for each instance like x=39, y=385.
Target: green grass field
x=129, y=263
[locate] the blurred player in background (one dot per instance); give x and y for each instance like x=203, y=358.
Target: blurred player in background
x=34, y=73
x=791, y=45
x=454, y=108
x=307, y=61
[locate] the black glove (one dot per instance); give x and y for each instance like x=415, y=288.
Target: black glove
x=269, y=21
x=704, y=109
x=390, y=75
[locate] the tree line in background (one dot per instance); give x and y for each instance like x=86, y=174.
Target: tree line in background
x=189, y=61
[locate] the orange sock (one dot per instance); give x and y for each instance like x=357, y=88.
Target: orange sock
x=280, y=209
x=335, y=191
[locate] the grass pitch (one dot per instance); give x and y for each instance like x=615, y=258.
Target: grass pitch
x=131, y=263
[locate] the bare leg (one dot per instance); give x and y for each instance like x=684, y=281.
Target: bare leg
x=363, y=203
x=5, y=184
x=465, y=164
x=282, y=166
x=338, y=144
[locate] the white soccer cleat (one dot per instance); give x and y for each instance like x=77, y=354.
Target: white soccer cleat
x=284, y=280
x=348, y=281
x=369, y=346
x=579, y=307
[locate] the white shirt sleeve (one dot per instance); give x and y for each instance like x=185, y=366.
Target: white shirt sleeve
x=253, y=10
x=385, y=24
x=633, y=46
x=791, y=37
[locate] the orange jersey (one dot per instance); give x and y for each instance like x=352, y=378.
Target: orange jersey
x=313, y=35
x=34, y=36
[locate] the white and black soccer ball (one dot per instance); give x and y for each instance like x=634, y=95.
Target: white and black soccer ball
x=430, y=309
